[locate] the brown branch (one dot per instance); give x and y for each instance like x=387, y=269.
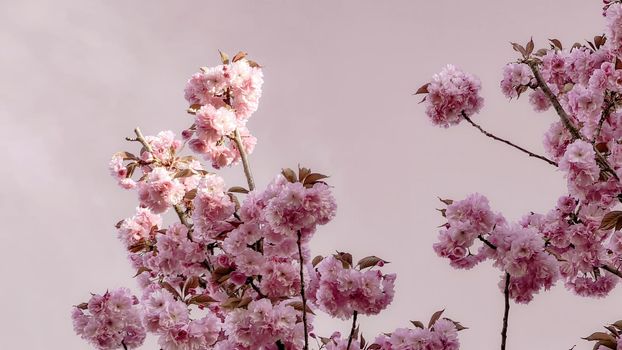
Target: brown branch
x=531, y=154
x=564, y=116
x=255, y=288
x=612, y=270
x=553, y=99
x=181, y=215
x=178, y=209
x=506, y=292
x=302, y=292
x=487, y=242
x=353, y=329
x=247, y=168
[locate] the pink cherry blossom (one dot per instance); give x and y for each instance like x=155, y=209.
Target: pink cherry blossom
x=451, y=93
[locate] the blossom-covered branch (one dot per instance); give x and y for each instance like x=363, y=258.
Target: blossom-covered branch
x=579, y=240
x=235, y=272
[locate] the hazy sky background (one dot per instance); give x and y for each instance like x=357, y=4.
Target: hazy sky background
x=78, y=76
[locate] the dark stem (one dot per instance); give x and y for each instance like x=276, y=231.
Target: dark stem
x=247, y=168
x=487, y=242
x=553, y=99
x=564, y=116
x=353, y=329
x=255, y=288
x=612, y=270
x=506, y=292
x=124, y=346
x=302, y=292
x=280, y=345
x=531, y=154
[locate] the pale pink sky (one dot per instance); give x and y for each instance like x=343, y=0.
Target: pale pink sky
x=78, y=76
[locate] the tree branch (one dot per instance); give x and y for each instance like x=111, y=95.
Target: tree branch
x=178, y=209
x=487, y=242
x=553, y=99
x=612, y=270
x=302, y=292
x=353, y=329
x=531, y=154
x=247, y=168
x=506, y=292
x=564, y=116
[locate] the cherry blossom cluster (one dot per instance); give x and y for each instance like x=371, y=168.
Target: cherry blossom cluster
x=234, y=269
x=110, y=321
x=451, y=95
x=223, y=98
x=340, y=289
x=578, y=241
x=440, y=334
x=573, y=241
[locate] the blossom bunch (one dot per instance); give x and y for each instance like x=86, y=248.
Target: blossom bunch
x=234, y=269
x=110, y=321
x=340, y=288
x=578, y=240
x=223, y=98
x=452, y=94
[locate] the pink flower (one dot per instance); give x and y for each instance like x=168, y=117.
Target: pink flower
x=159, y=190
x=340, y=291
x=214, y=123
x=141, y=226
x=112, y=322
x=539, y=101
x=212, y=207
x=515, y=76
x=451, y=93
x=614, y=28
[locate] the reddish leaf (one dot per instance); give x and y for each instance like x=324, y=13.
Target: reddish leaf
x=299, y=306
x=193, y=109
x=317, y=260
x=530, y=47
x=423, y=89
x=556, y=43
x=610, y=220
x=435, y=318
x=418, y=324
x=238, y=189
x=183, y=173
x=446, y=201
x=202, y=299
x=369, y=262
x=313, y=178
x=224, y=58
x=238, y=56
x=289, y=174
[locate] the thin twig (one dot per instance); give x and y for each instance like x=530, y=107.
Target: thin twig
x=178, y=209
x=247, y=168
x=255, y=288
x=531, y=154
x=353, y=329
x=302, y=292
x=487, y=242
x=506, y=292
x=612, y=270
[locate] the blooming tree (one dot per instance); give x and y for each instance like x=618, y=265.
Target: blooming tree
x=234, y=271
x=578, y=242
